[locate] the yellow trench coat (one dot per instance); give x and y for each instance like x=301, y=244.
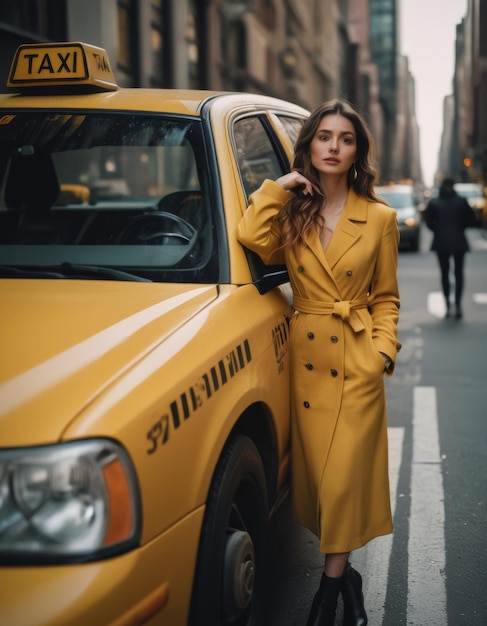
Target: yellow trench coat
x=346, y=304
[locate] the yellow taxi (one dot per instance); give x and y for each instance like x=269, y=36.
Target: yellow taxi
x=144, y=400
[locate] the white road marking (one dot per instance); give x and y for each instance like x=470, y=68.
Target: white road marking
x=436, y=304
x=480, y=298
x=426, y=578
x=478, y=243
x=373, y=559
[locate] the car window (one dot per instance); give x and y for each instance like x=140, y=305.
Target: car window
x=398, y=200
x=292, y=126
x=125, y=191
x=258, y=159
x=255, y=153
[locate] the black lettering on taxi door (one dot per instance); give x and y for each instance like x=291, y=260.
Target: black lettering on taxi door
x=158, y=433
x=202, y=389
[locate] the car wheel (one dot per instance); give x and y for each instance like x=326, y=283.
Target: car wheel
x=232, y=553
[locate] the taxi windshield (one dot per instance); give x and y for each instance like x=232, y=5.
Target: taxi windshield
x=125, y=193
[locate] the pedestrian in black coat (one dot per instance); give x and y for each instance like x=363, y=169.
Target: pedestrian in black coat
x=448, y=216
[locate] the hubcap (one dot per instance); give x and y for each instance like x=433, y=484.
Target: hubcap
x=239, y=573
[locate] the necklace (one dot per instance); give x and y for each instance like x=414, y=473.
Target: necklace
x=330, y=220
x=337, y=212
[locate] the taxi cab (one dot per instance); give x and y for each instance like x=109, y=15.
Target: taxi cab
x=144, y=401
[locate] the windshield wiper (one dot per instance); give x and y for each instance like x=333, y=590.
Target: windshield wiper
x=99, y=271
x=70, y=270
x=12, y=271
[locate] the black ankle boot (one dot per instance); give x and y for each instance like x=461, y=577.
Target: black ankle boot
x=353, y=599
x=323, y=609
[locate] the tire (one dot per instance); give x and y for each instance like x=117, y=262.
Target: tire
x=230, y=572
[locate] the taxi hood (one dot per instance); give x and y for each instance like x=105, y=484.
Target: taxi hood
x=63, y=342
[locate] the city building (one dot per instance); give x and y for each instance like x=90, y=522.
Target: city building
x=463, y=152
x=304, y=51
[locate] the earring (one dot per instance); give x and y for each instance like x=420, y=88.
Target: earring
x=354, y=172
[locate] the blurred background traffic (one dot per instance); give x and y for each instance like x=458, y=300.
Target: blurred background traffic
x=304, y=51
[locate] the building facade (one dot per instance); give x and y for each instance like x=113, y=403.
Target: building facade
x=304, y=51
x=463, y=152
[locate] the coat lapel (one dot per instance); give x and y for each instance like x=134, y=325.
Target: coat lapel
x=349, y=229
x=316, y=248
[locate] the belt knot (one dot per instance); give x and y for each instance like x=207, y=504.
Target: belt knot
x=345, y=309
x=342, y=309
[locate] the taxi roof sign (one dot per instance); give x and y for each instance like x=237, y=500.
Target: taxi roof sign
x=61, y=65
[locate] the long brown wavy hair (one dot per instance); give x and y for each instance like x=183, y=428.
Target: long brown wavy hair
x=301, y=214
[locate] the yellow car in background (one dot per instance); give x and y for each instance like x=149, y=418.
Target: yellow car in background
x=474, y=195
x=144, y=398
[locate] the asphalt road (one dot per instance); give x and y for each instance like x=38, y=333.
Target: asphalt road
x=433, y=570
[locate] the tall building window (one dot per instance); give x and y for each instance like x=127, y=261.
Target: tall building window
x=41, y=17
x=127, y=59
x=265, y=11
x=193, y=49
x=160, y=44
x=197, y=32
x=233, y=46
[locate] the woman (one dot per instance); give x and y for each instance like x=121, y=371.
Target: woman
x=340, y=245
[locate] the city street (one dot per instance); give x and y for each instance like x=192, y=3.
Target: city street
x=433, y=570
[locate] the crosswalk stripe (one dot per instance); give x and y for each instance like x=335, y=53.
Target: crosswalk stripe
x=373, y=559
x=426, y=579
x=436, y=304
x=479, y=243
x=480, y=298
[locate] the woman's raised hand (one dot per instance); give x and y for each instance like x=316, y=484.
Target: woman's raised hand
x=293, y=180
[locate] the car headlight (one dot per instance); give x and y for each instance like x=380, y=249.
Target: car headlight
x=69, y=501
x=407, y=216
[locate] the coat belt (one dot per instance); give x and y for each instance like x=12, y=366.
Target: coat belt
x=345, y=309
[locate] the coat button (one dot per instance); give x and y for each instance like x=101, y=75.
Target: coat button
x=300, y=268
x=309, y=366
x=349, y=273
x=311, y=335
x=334, y=373
x=334, y=339
x=306, y=405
